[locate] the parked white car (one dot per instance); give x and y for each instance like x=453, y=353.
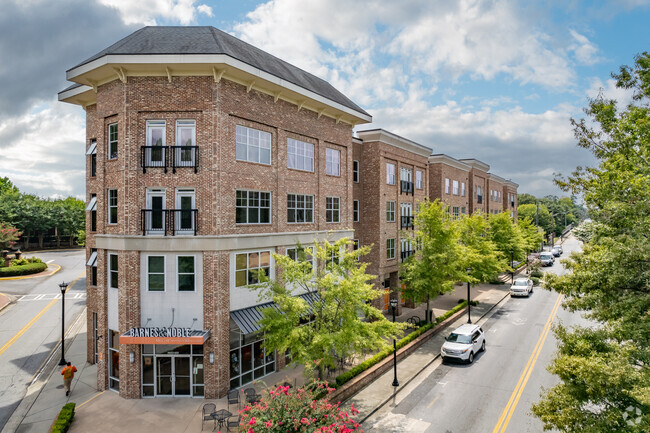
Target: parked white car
x=521, y=287
x=463, y=344
x=546, y=258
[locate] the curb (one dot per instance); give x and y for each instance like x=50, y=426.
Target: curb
x=40, y=379
x=9, y=298
x=403, y=385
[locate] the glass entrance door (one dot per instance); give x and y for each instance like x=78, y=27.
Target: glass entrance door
x=165, y=376
x=182, y=383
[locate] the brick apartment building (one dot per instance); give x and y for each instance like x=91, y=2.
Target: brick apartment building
x=206, y=155
x=449, y=182
x=392, y=178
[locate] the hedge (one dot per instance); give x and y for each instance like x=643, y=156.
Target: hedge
x=358, y=369
x=535, y=280
x=32, y=268
x=63, y=421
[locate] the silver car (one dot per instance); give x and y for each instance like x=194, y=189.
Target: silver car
x=521, y=287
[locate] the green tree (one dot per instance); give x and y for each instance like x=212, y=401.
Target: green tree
x=480, y=253
x=544, y=219
x=438, y=263
x=604, y=370
x=530, y=233
x=6, y=186
x=341, y=321
x=506, y=238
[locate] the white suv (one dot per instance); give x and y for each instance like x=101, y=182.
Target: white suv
x=463, y=343
x=521, y=287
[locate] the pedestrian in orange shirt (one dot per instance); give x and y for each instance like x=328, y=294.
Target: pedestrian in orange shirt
x=68, y=374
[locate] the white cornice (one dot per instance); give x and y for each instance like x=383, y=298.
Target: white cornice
x=475, y=163
x=448, y=160
x=216, y=243
x=384, y=136
x=496, y=178
x=512, y=184
x=102, y=70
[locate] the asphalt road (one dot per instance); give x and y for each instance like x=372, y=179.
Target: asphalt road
x=30, y=329
x=495, y=393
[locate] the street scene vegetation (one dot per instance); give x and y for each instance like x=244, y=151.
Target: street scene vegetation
x=604, y=369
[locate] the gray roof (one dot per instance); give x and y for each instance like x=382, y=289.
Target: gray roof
x=209, y=40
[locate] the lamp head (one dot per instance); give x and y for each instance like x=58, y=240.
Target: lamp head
x=469, y=271
x=393, y=303
x=63, y=286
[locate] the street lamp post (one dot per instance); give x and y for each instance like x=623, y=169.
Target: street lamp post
x=63, y=286
x=469, y=304
x=512, y=266
x=393, y=304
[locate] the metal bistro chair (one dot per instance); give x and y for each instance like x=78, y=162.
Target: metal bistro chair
x=233, y=423
x=233, y=397
x=208, y=410
x=251, y=395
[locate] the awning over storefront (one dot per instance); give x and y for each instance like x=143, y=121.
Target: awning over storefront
x=164, y=336
x=248, y=318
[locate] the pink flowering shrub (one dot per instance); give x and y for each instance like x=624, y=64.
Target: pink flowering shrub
x=287, y=410
x=8, y=235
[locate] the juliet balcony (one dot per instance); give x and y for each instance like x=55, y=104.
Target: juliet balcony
x=406, y=187
x=406, y=222
x=406, y=254
x=169, y=156
x=169, y=222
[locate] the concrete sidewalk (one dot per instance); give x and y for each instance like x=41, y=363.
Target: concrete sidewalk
x=97, y=411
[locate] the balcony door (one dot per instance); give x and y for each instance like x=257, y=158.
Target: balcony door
x=185, y=210
x=184, y=153
x=155, y=214
x=155, y=149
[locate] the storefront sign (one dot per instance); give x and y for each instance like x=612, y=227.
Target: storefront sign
x=164, y=336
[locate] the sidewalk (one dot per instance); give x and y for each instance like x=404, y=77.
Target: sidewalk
x=97, y=411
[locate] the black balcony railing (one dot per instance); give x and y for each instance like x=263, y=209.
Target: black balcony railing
x=406, y=187
x=169, y=221
x=407, y=222
x=512, y=203
x=169, y=156
x=406, y=254
x=479, y=199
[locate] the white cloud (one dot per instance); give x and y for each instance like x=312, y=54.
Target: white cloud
x=205, y=10
x=585, y=51
x=148, y=11
x=45, y=150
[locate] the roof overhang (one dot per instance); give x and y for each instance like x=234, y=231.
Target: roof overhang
x=248, y=319
x=113, y=67
x=511, y=184
x=495, y=178
x=384, y=136
x=475, y=163
x=448, y=160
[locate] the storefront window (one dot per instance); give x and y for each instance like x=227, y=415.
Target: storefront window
x=172, y=370
x=114, y=361
x=248, y=359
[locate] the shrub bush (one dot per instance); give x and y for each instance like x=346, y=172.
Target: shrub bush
x=358, y=369
x=535, y=280
x=537, y=273
x=31, y=268
x=287, y=410
x=63, y=421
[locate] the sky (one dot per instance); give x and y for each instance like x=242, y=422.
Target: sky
x=495, y=80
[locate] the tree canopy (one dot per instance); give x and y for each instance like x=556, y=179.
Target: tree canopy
x=604, y=370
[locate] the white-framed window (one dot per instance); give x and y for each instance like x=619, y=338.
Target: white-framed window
x=92, y=151
x=390, y=173
x=253, y=207
x=156, y=273
x=112, y=206
x=332, y=162
x=253, y=145
x=406, y=174
x=112, y=141
x=462, y=189
x=155, y=221
x=418, y=179
x=305, y=254
x=112, y=271
x=300, y=155
x=355, y=171
x=156, y=133
x=249, y=264
x=405, y=245
x=446, y=186
x=185, y=273
x=184, y=153
x=456, y=212
x=332, y=209
x=355, y=244
x=390, y=211
x=355, y=210
x=455, y=187
x=479, y=191
x=300, y=208
x=390, y=248
x=462, y=210
x=184, y=218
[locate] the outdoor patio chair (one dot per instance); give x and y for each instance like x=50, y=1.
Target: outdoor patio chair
x=233, y=423
x=233, y=397
x=208, y=410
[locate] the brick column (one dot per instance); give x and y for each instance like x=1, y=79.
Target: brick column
x=129, y=317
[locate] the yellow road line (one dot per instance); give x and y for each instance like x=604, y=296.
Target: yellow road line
x=13, y=339
x=40, y=274
x=91, y=398
x=504, y=419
